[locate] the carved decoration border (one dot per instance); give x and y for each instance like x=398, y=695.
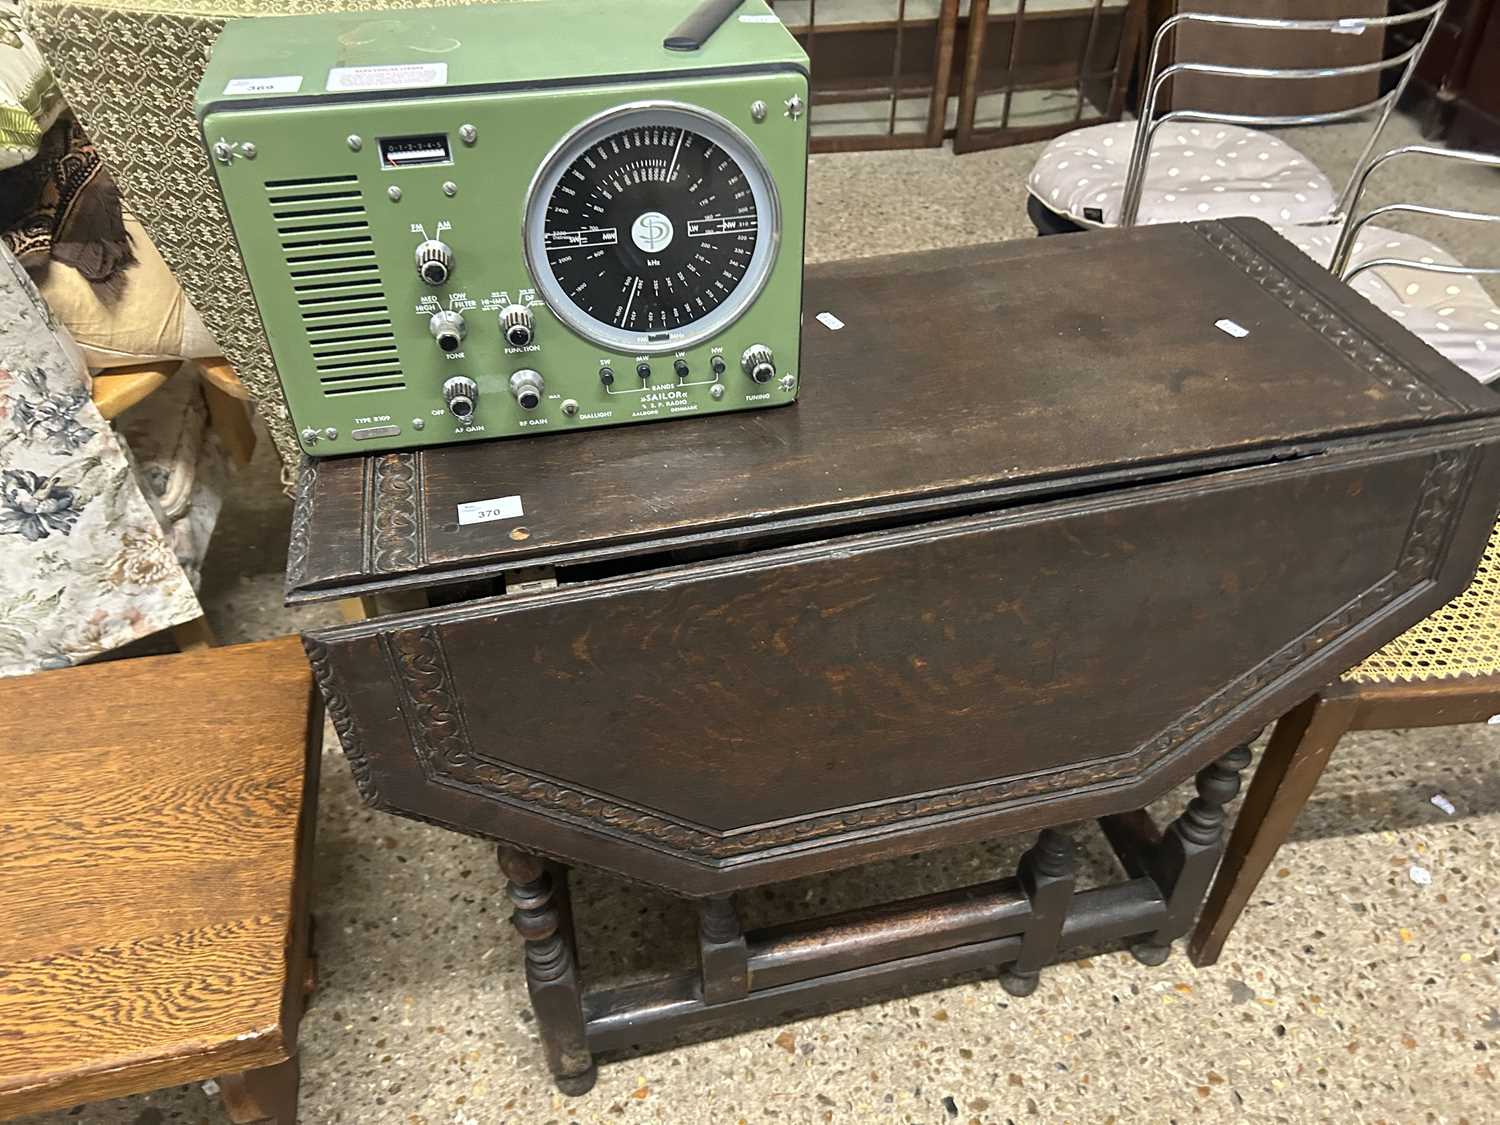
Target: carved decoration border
x=1329, y=323
x=395, y=521
x=319, y=656
x=440, y=735
x=302, y=512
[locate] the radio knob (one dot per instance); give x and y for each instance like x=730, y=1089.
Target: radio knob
x=759, y=363
x=461, y=394
x=448, y=329
x=527, y=385
x=434, y=261
x=517, y=325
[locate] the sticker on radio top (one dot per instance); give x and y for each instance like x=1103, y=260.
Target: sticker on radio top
x=391, y=76
x=278, y=84
x=488, y=511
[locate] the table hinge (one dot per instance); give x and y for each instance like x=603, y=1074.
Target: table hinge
x=530, y=580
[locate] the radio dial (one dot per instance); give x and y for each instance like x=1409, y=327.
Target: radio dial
x=517, y=325
x=447, y=329
x=759, y=363
x=527, y=385
x=461, y=394
x=434, y=261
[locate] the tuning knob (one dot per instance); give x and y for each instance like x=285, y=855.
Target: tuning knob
x=448, y=329
x=517, y=325
x=527, y=385
x=434, y=261
x=461, y=394
x=759, y=363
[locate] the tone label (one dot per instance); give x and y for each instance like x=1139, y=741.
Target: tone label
x=488, y=511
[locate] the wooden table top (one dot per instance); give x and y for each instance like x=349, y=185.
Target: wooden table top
x=1034, y=366
x=150, y=817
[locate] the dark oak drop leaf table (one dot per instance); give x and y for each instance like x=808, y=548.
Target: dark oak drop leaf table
x=1054, y=526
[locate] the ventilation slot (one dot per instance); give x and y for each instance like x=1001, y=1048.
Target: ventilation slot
x=324, y=233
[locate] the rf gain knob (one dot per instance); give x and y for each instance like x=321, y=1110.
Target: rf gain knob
x=758, y=363
x=527, y=385
x=447, y=328
x=461, y=394
x=517, y=325
x=434, y=261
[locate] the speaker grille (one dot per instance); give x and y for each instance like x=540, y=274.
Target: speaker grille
x=324, y=234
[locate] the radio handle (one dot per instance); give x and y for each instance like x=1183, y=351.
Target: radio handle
x=702, y=22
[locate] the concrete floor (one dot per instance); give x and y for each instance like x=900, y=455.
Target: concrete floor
x=1350, y=993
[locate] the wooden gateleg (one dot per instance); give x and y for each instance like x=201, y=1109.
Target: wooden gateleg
x=1046, y=877
x=544, y=918
x=1182, y=863
x=723, y=955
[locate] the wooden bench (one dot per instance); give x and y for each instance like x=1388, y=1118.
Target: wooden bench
x=156, y=822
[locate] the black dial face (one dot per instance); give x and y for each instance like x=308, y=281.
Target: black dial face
x=651, y=230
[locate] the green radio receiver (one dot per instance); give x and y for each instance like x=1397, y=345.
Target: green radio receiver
x=481, y=222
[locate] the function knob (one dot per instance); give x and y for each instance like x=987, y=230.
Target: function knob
x=527, y=385
x=434, y=261
x=447, y=329
x=461, y=394
x=517, y=325
x=759, y=363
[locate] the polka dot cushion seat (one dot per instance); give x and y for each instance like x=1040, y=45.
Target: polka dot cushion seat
x=1202, y=171
x=1452, y=313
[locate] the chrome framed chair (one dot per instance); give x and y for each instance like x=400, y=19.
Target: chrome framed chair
x=1198, y=163
x=1416, y=281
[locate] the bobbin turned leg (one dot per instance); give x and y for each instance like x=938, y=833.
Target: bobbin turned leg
x=1183, y=863
x=1046, y=874
x=544, y=918
x=722, y=953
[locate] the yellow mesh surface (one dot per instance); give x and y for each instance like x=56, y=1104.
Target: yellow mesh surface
x=1461, y=639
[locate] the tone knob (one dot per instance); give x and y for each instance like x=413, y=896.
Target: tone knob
x=517, y=325
x=759, y=363
x=527, y=385
x=461, y=394
x=434, y=261
x=448, y=329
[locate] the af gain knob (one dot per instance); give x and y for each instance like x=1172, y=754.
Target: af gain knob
x=462, y=395
x=758, y=363
x=517, y=325
x=434, y=261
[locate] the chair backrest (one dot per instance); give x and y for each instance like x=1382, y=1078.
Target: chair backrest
x=1342, y=267
x=1158, y=76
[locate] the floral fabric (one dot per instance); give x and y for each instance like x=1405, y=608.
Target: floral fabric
x=84, y=564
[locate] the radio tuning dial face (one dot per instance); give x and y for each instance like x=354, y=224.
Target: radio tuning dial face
x=652, y=227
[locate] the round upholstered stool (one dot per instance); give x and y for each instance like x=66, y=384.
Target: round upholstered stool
x=1194, y=172
x=1452, y=313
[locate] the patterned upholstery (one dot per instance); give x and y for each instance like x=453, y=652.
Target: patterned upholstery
x=1461, y=639
x=1193, y=172
x=129, y=69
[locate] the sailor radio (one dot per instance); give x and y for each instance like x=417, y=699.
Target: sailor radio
x=484, y=222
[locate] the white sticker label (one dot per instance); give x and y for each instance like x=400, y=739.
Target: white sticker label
x=1233, y=328
x=829, y=321
x=281, y=84
x=488, y=511
x=395, y=76
x=766, y=17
